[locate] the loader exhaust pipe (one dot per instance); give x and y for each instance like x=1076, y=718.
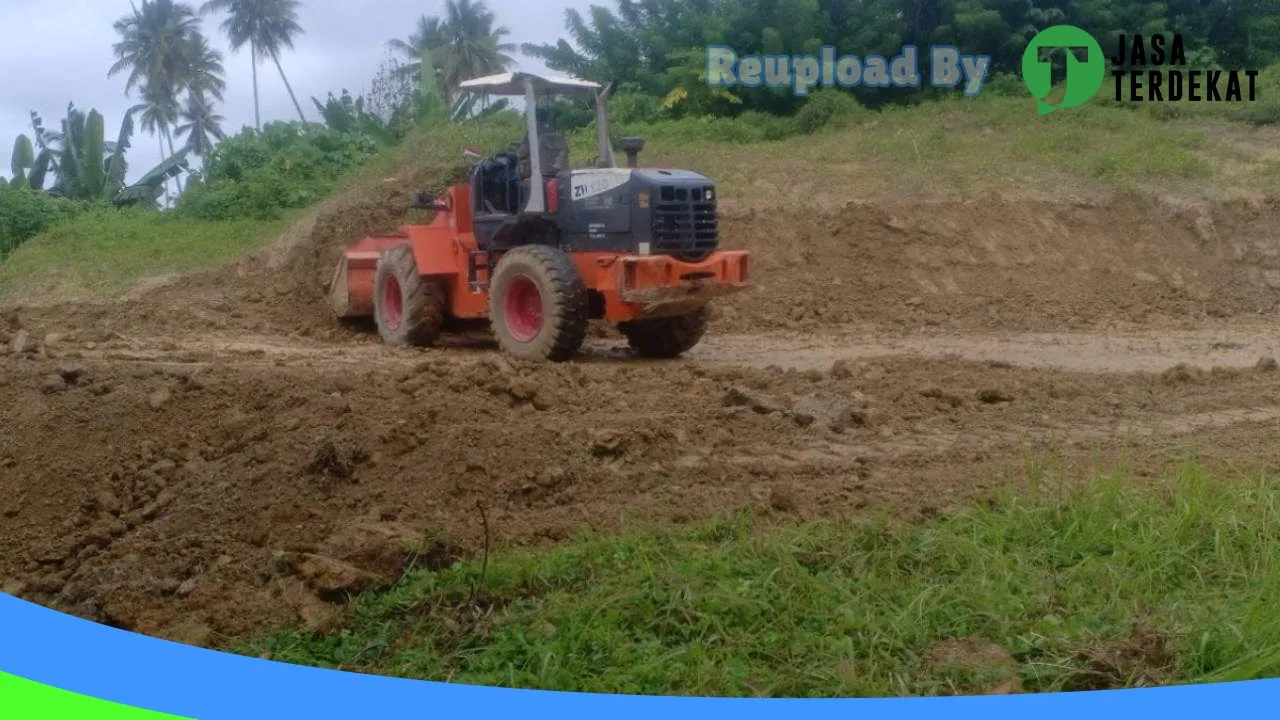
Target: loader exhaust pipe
x=632, y=147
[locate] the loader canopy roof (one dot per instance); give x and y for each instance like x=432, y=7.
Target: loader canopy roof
x=513, y=84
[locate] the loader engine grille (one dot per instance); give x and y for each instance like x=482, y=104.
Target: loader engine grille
x=684, y=222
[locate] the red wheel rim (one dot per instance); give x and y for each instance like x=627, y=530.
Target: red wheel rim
x=392, y=307
x=524, y=309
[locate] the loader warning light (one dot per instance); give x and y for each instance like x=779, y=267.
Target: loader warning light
x=642, y=200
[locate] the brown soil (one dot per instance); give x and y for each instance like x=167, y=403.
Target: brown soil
x=216, y=456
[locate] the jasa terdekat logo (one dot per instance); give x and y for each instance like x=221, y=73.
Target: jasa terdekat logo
x=1150, y=68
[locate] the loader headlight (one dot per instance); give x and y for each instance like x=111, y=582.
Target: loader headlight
x=642, y=199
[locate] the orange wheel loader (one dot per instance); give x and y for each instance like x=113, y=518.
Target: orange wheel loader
x=540, y=249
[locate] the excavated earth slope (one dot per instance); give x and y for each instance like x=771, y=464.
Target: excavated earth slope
x=218, y=456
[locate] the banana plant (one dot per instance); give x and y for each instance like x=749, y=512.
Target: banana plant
x=84, y=164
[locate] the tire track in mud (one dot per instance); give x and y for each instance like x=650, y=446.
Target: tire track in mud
x=1238, y=345
x=270, y=452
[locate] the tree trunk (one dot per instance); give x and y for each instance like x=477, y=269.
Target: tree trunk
x=257, y=110
x=289, y=87
x=176, y=178
x=160, y=139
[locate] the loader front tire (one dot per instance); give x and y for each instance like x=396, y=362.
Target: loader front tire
x=538, y=304
x=667, y=337
x=408, y=308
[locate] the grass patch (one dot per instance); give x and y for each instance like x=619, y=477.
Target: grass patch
x=1098, y=587
x=956, y=146
x=105, y=251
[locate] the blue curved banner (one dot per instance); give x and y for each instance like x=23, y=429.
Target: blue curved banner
x=59, y=651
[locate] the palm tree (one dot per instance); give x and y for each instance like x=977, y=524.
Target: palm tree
x=463, y=45
x=429, y=36
x=475, y=45
x=267, y=27
x=162, y=49
x=205, y=74
x=153, y=44
x=201, y=125
x=156, y=113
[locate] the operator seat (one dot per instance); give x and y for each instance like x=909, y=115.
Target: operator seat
x=554, y=151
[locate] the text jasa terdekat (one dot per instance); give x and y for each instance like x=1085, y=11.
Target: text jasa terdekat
x=1154, y=69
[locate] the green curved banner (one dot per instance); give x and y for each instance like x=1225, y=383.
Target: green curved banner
x=25, y=700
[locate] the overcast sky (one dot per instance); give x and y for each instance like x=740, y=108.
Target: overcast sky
x=56, y=53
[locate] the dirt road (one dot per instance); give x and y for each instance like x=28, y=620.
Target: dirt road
x=216, y=456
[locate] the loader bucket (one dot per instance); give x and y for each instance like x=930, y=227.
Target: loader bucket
x=340, y=291
x=351, y=290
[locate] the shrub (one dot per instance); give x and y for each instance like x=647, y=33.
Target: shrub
x=25, y=213
x=747, y=128
x=1266, y=109
x=287, y=165
x=630, y=108
x=1005, y=85
x=828, y=106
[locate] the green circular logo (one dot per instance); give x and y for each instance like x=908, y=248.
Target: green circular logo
x=1084, y=77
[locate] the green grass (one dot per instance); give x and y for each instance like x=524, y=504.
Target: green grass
x=966, y=147
x=1096, y=587
x=105, y=251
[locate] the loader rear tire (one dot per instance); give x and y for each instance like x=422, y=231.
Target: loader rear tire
x=668, y=337
x=408, y=308
x=538, y=304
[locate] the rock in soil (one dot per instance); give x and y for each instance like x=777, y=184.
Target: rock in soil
x=333, y=579
x=21, y=344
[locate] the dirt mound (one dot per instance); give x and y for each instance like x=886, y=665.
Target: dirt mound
x=281, y=288
x=1007, y=264
x=1004, y=264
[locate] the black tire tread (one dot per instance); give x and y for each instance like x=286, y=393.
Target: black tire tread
x=424, y=300
x=568, y=296
x=667, y=337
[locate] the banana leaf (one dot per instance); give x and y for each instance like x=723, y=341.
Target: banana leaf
x=93, y=171
x=117, y=166
x=148, y=188
x=23, y=158
x=40, y=169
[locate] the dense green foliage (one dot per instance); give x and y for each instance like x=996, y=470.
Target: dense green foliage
x=656, y=46
x=25, y=213
x=1101, y=586
x=287, y=165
